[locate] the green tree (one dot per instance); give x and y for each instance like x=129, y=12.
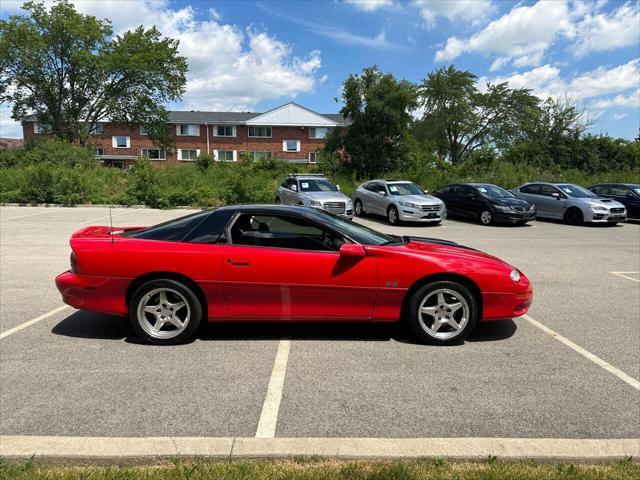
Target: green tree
x=459, y=119
x=379, y=107
x=72, y=73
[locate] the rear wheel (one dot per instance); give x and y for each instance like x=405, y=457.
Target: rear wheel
x=574, y=216
x=357, y=207
x=165, y=312
x=443, y=312
x=392, y=215
x=486, y=218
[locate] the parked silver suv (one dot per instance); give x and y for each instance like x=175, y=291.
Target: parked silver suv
x=398, y=200
x=570, y=203
x=314, y=190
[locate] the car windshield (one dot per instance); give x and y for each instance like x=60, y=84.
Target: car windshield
x=359, y=233
x=407, y=188
x=576, y=191
x=635, y=188
x=492, y=191
x=317, y=185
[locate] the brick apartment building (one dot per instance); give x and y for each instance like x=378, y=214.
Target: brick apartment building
x=290, y=132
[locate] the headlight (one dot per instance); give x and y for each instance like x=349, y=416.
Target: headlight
x=504, y=208
x=408, y=204
x=515, y=275
x=598, y=208
x=314, y=203
x=349, y=203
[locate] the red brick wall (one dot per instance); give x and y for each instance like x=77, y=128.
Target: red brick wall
x=241, y=142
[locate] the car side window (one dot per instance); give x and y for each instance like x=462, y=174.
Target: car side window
x=373, y=187
x=282, y=231
x=211, y=229
x=467, y=191
x=619, y=191
x=533, y=189
x=548, y=190
x=601, y=190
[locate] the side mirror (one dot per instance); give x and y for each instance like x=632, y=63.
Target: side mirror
x=352, y=250
x=382, y=192
x=338, y=187
x=556, y=195
x=294, y=188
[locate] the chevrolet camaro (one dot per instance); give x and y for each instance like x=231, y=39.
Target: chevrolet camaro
x=285, y=263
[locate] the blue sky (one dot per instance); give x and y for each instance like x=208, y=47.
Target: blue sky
x=255, y=55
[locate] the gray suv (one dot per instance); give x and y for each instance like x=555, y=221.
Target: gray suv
x=314, y=190
x=571, y=203
x=398, y=200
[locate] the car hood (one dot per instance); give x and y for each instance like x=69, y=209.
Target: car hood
x=418, y=199
x=425, y=245
x=511, y=202
x=606, y=202
x=326, y=196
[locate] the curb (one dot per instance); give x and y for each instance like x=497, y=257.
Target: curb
x=82, y=450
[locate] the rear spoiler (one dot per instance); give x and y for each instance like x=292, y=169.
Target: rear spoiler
x=101, y=232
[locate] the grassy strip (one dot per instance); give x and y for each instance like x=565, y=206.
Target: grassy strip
x=318, y=469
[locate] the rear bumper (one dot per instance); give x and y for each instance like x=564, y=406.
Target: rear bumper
x=97, y=294
x=497, y=306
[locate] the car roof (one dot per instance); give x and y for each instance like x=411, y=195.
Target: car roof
x=615, y=183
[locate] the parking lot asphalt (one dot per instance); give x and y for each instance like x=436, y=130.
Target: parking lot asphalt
x=84, y=374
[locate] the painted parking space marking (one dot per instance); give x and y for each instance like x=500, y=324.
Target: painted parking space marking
x=33, y=321
x=627, y=275
x=585, y=353
x=29, y=215
x=107, y=216
x=269, y=415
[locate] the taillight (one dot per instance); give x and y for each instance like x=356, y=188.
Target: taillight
x=72, y=261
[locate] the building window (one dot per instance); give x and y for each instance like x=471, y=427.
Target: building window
x=188, y=155
x=291, y=145
x=313, y=157
x=41, y=127
x=225, y=131
x=188, y=130
x=261, y=132
x=118, y=164
x=144, y=130
x=120, y=142
x=225, y=155
x=153, y=153
x=99, y=151
x=97, y=129
x=318, y=133
x=260, y=155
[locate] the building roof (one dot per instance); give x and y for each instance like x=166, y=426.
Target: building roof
x=213, y=118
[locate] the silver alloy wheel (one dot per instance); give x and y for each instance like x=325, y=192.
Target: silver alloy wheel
x=358, y=207
x=443, y=313
x=393, y=216
x=485, y=217
x=163, y=313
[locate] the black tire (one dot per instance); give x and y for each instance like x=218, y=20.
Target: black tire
x=414, y=316
x=486, y=217
x=574, y=216
x=392, y=215
x=357, y=208
x=278, y=201
x=194, y=305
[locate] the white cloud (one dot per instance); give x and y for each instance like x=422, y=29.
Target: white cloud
x=619, y=116
x=369, y=5
x=524, y=33
x=599, y=31
x=619, y=101
x=473, y=11
x=230, y=68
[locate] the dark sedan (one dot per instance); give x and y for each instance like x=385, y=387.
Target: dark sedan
x=485, y=202
x=627, y=194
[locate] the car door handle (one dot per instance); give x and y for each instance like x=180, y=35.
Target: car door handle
x=238, y=262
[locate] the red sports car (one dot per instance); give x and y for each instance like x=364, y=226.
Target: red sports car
x=267, y=262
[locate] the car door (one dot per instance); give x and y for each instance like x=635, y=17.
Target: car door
x=367, y=197
x=553, y=202
x=468, y=201
x=628, y=198
x=449, y=196
x=283, y=266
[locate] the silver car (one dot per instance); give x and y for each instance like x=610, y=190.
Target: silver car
x=314, y=190
x=570, y=203
x=398, y=200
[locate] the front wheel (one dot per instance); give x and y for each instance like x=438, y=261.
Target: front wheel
x=443, y=312
x=392, y=215
x=165, y=312
x=574, y=216
x=486, y=218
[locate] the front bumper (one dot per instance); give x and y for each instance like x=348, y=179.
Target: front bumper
x=96, y=294
x=408, y=214
x=514, y=217
x=597, y=216
x=498, y=306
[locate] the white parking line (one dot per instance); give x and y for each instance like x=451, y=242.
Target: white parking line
x=28, y=323
x=588, y=355
x=107, y=216
x=623, y=275
x=30, y=215
x=269, y=416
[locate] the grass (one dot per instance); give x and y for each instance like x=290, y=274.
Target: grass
x=319, y=469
